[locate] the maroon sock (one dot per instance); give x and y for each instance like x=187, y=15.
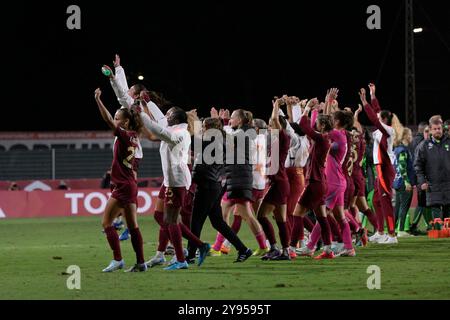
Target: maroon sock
x=309, y=225
x=325, y=230
x=297, y=231
x=268, y=230
x=372, y=218
x=334, y=228
x=236, y=226
x=290, y=222
x=284, y=234
x=163, y=238
x=175, y=238
x=378, y=211
x=114, y=243
x=354, y=226
x=138, y=244
x=186, y=219
x=159, y=217
x=187, y=234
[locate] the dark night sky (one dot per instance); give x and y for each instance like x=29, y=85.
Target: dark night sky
x=216, y=53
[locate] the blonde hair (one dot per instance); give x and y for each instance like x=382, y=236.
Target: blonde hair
x=191, y=119
x=398, y=130
x=405, y=133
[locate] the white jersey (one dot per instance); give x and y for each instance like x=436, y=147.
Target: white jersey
x=174, y=150
x=298, y=156
x=377, y=136
x=120, y=87
x=259, y=162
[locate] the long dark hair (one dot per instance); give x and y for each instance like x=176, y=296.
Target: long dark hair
x=326, y=122
x=135, y=121
x=385, y=114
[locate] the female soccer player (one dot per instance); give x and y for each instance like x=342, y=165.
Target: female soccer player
x=175, y=151
x=126, y=125
x=207, y=174
x=275, y=201
x=359, y=202
x=404, y=182
x=259, y=184
x=239, y=177
x=383, y=159
x=313, y=196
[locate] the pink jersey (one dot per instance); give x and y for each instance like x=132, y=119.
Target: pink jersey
x=123, y=161
x=333, y=170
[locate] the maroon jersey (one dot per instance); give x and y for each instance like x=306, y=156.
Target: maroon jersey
x=283, y=144
x=319, y=152
x=123, y=161
x=351, y=155
x=360, y=150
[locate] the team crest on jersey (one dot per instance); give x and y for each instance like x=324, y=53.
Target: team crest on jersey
x=430, y=145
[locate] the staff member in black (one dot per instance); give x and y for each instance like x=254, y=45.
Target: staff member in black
x=208, y=177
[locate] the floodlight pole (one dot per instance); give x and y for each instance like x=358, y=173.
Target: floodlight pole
x=410, y=69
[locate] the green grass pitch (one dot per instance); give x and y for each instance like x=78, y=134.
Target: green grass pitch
x=35, y=254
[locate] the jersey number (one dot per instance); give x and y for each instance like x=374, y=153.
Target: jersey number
x=128, y=161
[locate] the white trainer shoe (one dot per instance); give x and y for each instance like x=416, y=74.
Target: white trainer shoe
x=158, y=259
x=389, y=240
x=337, y=247
x=305, y=252
x=376, y=237
x=114, y=266
x=403, y=234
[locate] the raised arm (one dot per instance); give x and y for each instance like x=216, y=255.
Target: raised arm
x=159, y=131
x=332, y=95
x=371, y=114
x=275, y=114
x=119, y=83
x=374, y=100
x=357, y=124
x=103, y=111
x=305, y=125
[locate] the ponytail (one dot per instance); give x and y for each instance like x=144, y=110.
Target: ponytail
x=398, y=129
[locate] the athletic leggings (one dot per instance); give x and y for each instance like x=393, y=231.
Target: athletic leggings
x=403, y=200
x=207, y=204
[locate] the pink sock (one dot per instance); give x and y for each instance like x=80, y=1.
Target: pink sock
x=236, y=226
x=346, y=234
x=314, y=237
x=219, y=241
x=261, y=239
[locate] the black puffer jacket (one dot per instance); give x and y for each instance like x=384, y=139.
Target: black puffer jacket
x=238, y=169
x=432, y=165
x=209, y=166
x=418, y=138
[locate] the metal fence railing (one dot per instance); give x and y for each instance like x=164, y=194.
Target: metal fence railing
x=68, y=164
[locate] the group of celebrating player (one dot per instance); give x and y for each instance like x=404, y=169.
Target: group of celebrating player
x=316, y=149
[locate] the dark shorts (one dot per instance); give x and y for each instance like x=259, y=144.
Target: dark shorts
x=349, y=192
x=232, y=202
x=278, y=193
x=162, y=192
x=360, y=184
x=125, y=193
x=174, y=197
x=314, y=195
